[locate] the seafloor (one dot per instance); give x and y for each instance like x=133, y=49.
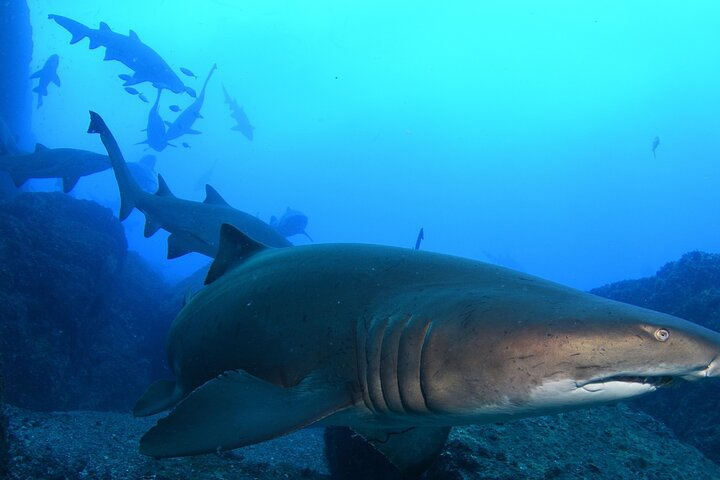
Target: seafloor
x=82, y=331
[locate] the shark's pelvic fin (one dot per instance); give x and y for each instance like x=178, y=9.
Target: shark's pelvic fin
x=411, y=450
x=237, y=409
x=235, y=247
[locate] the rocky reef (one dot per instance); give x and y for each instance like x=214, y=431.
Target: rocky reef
x=81, y=318
x=688, y=288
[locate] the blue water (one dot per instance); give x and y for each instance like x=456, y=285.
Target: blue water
x=511, y=131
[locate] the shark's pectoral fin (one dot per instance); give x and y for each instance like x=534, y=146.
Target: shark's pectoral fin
x=159, y=396
x=237, y=409
x=69, y=183
x=411, y=450
x=190, y=131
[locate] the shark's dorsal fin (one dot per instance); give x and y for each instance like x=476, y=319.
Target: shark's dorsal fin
x=104, y=27
x=163, y=190
x=235, y=247
x=134, y=35
x=213, y=197
x=39, y=147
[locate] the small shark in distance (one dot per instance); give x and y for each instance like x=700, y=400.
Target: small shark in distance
x=193, y=226
x=145, y=62
x=238, y=113
x=47, y=74
x=419, y=239
x=655, y=143
x=399, y=345
x=184, y=122
x=68, y=164
x=292, y=222
x=156, y=135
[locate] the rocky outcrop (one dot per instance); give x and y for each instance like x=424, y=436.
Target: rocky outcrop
x=81, y=318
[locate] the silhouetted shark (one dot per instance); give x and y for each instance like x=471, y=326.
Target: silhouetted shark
x=243, y=124
x=193, y=226
x=292, y=222
x=655, y=143
x=47, y=74
x=420, y=238
x=146, y=64
x=184, y=122
x=155, y=130
x=66, y=163
x=143, y=171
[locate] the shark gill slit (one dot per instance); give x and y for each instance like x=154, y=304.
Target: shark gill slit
x=389, y=361
x=410, y=366
x=426, y=338
x=373, y=354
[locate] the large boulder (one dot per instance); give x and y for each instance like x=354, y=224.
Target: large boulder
x=79, y=313
x=688, y=288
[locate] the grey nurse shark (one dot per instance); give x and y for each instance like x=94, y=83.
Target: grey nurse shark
x=69, y=164
x=193, y=226
x=400, y=345
x=46, y=75
x=184, y=122
x=145, y=62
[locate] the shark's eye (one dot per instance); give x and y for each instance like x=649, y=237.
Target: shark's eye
x=662, y=334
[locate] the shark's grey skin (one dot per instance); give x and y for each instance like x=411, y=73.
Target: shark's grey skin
x=238, y=113
x=400, y=345
x=155, y=130
x=184, y=122
x=68, y=164
x=47, y=74
x=146, y=64
x=193, y=226
x=143, y=172
x=292, y=222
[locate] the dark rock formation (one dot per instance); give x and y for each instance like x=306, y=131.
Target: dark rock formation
x=15, y=57
x=81, y=319
x=4, y=447
x=688, y=288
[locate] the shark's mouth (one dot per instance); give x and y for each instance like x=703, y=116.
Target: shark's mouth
x=649, y=381
x=661, y=381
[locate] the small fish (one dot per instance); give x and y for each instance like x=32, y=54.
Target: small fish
x=655, y=143
x=131, y=90
x=185, y=144
x=420, y=238
x=174, y=108
x=143, y=98
x=188, y=72
x=191, y=92
x=125, y=77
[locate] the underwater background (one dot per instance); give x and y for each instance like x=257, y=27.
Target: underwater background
x=576, y=141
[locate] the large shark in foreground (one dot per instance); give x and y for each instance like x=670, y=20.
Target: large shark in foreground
x=399, y=345
x=69, y=164
x=193, y=226
x=145, y=62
